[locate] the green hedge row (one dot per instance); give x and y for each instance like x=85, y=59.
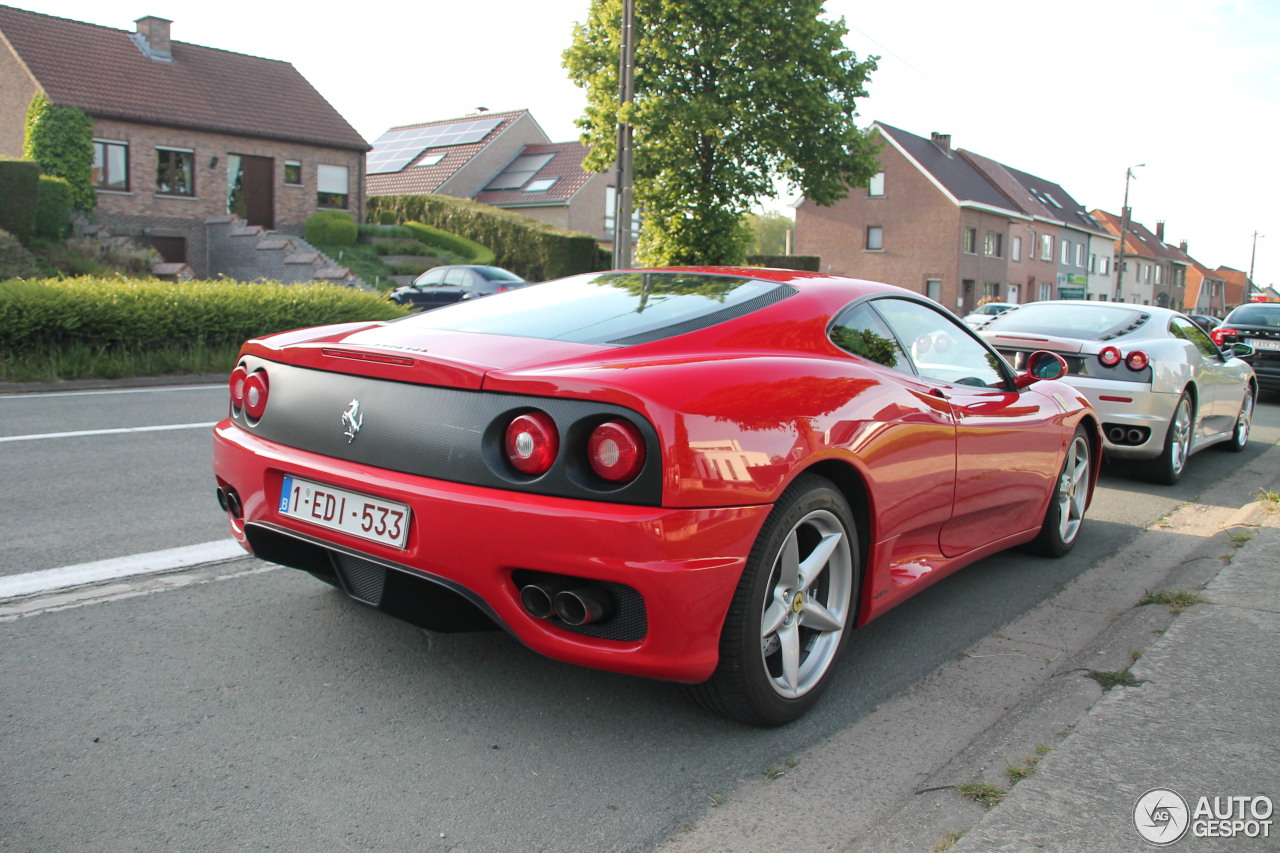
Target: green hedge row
x=53, y=208
x=19, y=194
x=524, y=245
x=146, y=314
x=458, y=245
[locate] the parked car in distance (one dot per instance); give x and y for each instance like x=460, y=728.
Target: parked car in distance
x=1162, y=387
x=1205, y=321
x=1258, y=325
x=443, y=285
x=985, y=313
x=705, y=475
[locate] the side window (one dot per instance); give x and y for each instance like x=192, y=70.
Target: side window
x=432, y=278
x=456, y=276
x=861, y=331
x=1189, y=331
x=938, y=346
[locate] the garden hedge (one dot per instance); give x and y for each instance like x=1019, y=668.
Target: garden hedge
x=524, y=245
x=330, y=228
x=808, y=263
x=19, y=194
x=53, y=208
x=151, y=314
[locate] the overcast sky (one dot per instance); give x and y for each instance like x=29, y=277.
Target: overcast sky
x=1072, y=92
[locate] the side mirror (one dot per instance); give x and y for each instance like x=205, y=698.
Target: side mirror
x=1041, y=365
x=1239, y=350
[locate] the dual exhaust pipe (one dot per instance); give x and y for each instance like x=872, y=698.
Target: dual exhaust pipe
x=1131, y=436
x=230, y=502
x=575, y=605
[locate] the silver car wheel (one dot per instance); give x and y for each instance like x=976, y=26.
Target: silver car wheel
x=1073, y=490
x=1180, y=436
x=809, y=604
x=1244, y=423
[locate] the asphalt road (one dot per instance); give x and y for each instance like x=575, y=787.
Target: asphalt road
x=249, y=708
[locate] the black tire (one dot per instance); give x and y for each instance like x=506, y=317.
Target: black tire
x=1167, y=468
x=783, y=634
x=1065, y=515
x=1244, y=422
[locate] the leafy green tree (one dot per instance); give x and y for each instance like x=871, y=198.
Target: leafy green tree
x=60, y=139
x=728, y=95
x=769, y=232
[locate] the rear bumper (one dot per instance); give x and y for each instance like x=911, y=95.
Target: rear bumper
x=1141, y=416
x=683, y=563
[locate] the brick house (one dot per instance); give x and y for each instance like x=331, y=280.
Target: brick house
x=1154, y=273
x=504, y=159
x=182, y=134
x=953, y=225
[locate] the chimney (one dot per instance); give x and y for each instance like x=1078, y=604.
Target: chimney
x=943, y=141
x=152, y=38
x=1182, y=247
x=1160, y=230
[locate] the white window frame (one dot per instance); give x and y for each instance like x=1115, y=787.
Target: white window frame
x=875, y=187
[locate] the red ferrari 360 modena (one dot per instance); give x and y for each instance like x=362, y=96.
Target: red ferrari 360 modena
x=706, y=475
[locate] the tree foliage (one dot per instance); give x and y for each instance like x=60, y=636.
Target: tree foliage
x=729, y=95
x=60, y=139
x=769, y=232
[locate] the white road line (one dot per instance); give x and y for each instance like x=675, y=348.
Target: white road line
x=41, y=395
x=51, y=580
x=117, y=431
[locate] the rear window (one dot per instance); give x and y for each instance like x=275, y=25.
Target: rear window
x=618, y=308
x=1094, y=321
x=497, y=274
x=1256, y=315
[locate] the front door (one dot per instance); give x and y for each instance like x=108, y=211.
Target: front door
x=259, y=191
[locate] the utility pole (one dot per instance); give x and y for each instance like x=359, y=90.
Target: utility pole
x=1252, y=256
x=626, y=85
x=1124, y=228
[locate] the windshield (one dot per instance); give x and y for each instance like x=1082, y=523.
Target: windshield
x=1095, y=321
x=1256, y=315
x=497, y=274
x=618, y=308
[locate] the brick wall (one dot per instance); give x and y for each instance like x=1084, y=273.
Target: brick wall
x=16, y=90
x=921, y=231
x=293, y=204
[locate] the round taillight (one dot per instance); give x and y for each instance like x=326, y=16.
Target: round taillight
x=532, y=443
x=1110, y=356
x=238, y=377
x=616, y=451
x=1137, y=360
x=255, y=394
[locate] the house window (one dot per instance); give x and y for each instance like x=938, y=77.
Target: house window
x=1046, y=291
x=541, y=185
x=293, y=173
x=876, y=187
x=110, y=165
x=1016, y=249
x=933, y=289
x=519, y=171
x=875, y=238
x=331, y=184
x=1104, y=265
x=1046, y=247
x=991, y=290
x=611, y=213
x=971, y=241
x=993, y=245
x=1065, y=256
x=1093, y=263
x=1159, y=275
x=1079, y=254
x=175, y=171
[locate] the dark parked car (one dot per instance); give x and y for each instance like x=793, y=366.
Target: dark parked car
x=1258, y=325
x=442, y=285
x=1204, y=321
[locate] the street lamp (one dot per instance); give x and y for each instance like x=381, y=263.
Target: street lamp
x=1124, y=227
x=626, y=91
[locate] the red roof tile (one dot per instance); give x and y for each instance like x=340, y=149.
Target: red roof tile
x=103, y=72
x=565, y=167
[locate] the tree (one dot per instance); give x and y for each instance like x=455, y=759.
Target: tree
x=769, y=232
x=729, y=94
x=60, y=139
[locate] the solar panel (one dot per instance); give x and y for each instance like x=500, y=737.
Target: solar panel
x=395, y=149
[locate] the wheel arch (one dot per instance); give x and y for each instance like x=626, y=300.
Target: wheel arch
x=849, y=482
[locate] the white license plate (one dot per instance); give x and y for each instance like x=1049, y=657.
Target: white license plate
x=359, y=515
x=1259, y=343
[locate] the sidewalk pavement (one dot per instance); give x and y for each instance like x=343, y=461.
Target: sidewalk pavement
x=1203, y=722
